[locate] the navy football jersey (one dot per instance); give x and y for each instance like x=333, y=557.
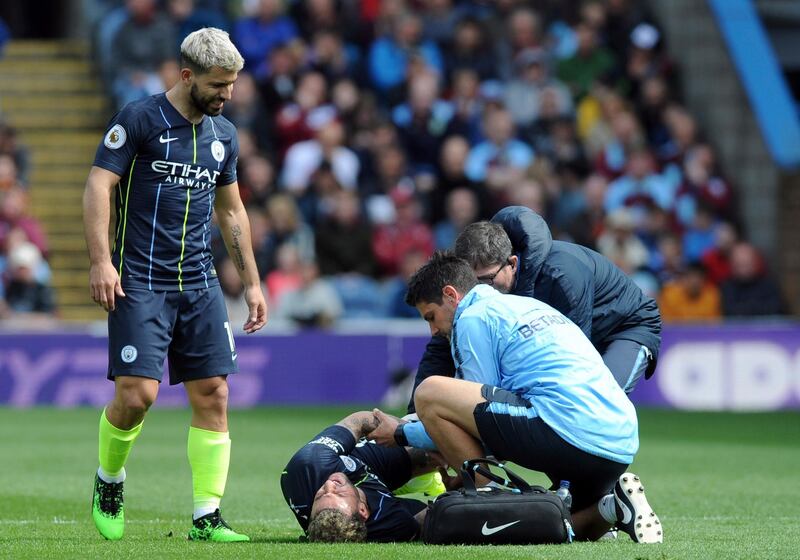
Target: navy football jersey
x=170, y=169
x=374, y=469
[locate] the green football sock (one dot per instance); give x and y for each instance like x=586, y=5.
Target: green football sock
x=115, y=445
x=209, y=456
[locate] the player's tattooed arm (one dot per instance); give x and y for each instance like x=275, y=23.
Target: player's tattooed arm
x=360, y=423
x=236, y=247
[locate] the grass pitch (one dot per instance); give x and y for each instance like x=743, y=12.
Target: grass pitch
x=724, y=485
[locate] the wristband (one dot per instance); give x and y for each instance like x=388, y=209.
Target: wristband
x=400, y=436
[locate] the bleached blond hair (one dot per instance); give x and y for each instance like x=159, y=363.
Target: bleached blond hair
x=205, y=48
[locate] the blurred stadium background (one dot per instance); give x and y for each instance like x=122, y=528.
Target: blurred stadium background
x=663, y=133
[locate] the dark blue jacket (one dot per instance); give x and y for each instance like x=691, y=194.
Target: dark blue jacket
x=582, y=284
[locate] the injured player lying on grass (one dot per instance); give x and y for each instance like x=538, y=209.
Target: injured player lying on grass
x=341, y=488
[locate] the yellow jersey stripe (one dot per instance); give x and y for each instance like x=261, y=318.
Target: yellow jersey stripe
x=183, y=240
x=125, y=216
x=194, y=143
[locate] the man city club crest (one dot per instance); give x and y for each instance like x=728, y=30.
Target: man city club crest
x=218, y=150
x=115, y=138
x=129, y=354
x=349, y=464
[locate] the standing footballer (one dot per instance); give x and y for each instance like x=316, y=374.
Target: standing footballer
x=170, y=159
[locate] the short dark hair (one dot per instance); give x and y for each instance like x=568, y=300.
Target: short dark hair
x=332, y=525
x=483, y=244
x=443, y=269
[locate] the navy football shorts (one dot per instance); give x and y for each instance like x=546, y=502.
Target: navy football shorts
x=190, y=328
x=511, y=434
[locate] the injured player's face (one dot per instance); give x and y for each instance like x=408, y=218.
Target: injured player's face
x=337, y=493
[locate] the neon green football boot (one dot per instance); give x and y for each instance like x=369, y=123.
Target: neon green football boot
x=107, y=509
x=429, y=484
x=213, y=528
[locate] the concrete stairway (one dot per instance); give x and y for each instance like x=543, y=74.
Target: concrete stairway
x=50, y=93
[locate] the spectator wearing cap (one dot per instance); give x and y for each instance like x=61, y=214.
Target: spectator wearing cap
x=24, y=293
x=750, y=291
x=690, y=297
x=523, y=93
x=644, y=58
x=256, y=36
x=407, y=233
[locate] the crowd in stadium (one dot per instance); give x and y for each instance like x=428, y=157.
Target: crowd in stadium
x=371, y=132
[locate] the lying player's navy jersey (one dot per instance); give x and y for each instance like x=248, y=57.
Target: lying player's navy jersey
x=170, y=169
x=373, y=469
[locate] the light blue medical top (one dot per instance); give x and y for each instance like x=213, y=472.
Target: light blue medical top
x=525, y=346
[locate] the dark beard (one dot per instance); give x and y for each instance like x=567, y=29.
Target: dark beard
x=203, y=104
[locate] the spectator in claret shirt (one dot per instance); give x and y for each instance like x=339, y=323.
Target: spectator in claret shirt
x=717, y=260
x=391, y=242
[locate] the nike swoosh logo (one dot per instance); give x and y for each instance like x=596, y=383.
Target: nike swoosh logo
x=486, y=530
x=626, y=512
x=234, y=356
x=165, y=140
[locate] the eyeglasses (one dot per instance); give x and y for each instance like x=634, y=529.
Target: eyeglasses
x=488, y=279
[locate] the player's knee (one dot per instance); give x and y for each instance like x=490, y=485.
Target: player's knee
x=425, y=397
x=135, y=401
x=212, y=396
